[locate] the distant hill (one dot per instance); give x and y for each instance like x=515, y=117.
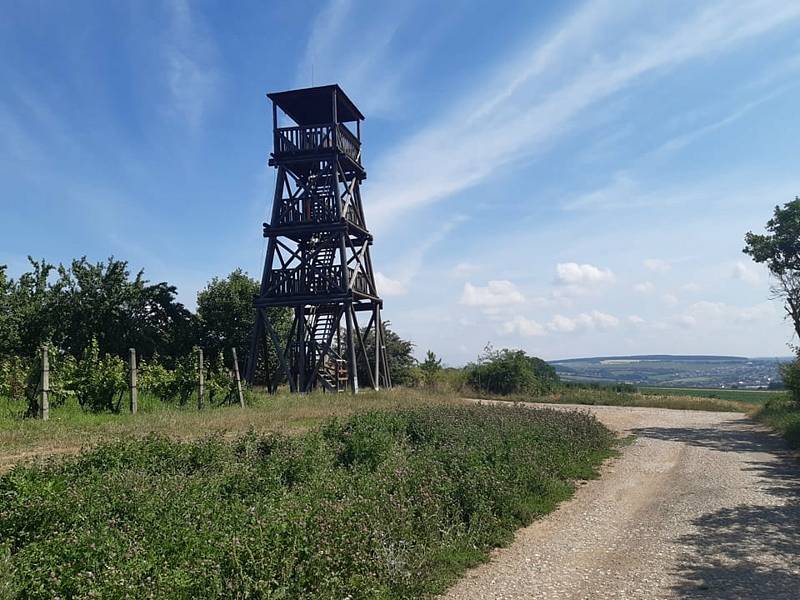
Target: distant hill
x=659, y=357
x=667, y=370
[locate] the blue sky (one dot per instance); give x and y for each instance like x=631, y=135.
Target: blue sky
x=570, y=178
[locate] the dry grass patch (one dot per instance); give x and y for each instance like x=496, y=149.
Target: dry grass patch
x=70, y=429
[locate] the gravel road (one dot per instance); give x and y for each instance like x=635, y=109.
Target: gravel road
x=700, y=505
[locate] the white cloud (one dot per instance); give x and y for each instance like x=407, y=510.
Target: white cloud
x=523, y=326
x=690, y=287
x=574, y=274
x=463, y=269
x=746, y=273
x=636, y=320
x=657, y=265
x=670, y=299
x=496, y=293
x=646, y=287
x=721, y=313
x=593, y=320
x=388, y=286
x=539, y=94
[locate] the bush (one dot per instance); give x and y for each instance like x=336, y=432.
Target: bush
x=20, y=382
x=782, y=415
x=383, y=505
x=507, y=372
x=169, y=385
x=99, y=382
x=790, y=373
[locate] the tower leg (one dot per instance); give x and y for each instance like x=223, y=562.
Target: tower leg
x=252, y=356
x=301, y=347
x=352, y=376
x=378, y=350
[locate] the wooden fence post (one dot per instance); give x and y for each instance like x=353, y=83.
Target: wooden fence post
x=201, y=392
x=134, y=390
x=44, y=404
x=238, y=379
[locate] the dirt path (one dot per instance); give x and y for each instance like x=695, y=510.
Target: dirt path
x=701, y=505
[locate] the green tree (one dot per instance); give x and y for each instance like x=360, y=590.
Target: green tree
x=779, y=250
x=72, y=305
x=9, y=333
x=430, y=367
x=100, y=301
x=30, y=320
x=398, y=355
x=226, y=317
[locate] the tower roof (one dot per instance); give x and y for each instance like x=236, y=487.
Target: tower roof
x=312, y=106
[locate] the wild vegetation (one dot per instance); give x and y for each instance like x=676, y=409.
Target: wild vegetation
x=380, y=505
x=779, y=250
x=756, y=397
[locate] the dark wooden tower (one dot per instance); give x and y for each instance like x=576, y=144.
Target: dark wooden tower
x=318, y=249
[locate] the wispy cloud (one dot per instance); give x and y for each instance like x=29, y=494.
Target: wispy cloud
x=404, y=272
x=535, y=105
x=190, y=65
x=683, y=140
x=369, y=71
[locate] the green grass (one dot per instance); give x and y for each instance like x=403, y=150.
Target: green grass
x=782, y=415
x=750, y=396
x=675, y=402
x=610, y=397
x=70, y=428
x=382, y=504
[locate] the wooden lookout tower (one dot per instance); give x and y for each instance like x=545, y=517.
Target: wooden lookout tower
x=318, y=249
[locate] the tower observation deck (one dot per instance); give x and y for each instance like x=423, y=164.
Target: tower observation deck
x=318, y=261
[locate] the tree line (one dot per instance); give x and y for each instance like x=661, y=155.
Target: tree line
x=90, y=315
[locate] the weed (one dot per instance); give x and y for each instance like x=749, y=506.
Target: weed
x=383, y=504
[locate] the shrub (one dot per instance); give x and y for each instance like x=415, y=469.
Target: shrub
x=20, y=381
x=430, y=367
x=790, y=373
x=99, y=382
x=383, y=505
x=220, y=383
x=169, y=385
x=507, y=372
x=783, y=415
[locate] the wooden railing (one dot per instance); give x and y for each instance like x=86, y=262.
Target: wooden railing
x=312, y=281
x=307, y=281
x=313, y=138
x=348, y=143
x=314, y=209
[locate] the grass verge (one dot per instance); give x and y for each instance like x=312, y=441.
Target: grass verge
x=379, y=505
x=609, y=397
x=782, y=415
x=750, y=396
x=70, y=428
